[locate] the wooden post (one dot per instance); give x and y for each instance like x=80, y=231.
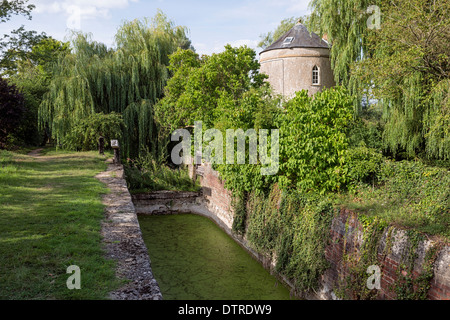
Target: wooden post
x=115, y=146
x=101, y=145
x=117, y=156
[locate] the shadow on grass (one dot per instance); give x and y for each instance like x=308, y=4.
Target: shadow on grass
x=50, y=215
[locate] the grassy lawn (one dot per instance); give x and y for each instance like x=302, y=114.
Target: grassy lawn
x=50, y=214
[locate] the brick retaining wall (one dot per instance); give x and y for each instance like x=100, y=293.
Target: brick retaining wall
x=346, y=237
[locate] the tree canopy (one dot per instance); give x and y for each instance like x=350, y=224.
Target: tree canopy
x=198, y=86
x=402, y=63
x=408, y=70
x=8, y=8
x=128, y=80
x=268, y=38
x=17, y=45
x=12, y=107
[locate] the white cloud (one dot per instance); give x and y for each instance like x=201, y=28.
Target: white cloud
x=77, y=10
x=53, y=6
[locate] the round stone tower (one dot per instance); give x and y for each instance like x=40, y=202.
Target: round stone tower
x=298, y=60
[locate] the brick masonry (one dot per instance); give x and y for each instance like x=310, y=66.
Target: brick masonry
x=346, y=236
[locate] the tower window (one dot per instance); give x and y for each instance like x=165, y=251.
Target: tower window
x=315, y=75
x=288, y=40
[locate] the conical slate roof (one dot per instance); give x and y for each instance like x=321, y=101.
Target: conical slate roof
x=298, y=37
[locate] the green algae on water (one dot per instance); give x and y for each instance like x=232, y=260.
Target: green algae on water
x=193, y=259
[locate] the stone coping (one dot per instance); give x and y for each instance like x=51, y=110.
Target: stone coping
x=123, y=242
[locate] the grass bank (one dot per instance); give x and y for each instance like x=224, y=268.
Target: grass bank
x=407, y=194
x=50, y=214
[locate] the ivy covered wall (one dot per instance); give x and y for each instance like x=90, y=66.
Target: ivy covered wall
x=325, y=252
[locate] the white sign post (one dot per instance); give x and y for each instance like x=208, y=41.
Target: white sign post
x=115, y=146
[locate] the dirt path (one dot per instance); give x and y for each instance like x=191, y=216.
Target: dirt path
x=35, y=153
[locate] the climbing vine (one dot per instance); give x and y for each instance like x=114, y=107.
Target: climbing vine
x=293, y=229
x=415, y=287
x=408, y=285
x=354, y=284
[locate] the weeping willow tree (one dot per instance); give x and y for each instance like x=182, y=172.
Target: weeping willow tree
x=396, y=52
x=127, y=80
x=346, y=24
x=410, y=74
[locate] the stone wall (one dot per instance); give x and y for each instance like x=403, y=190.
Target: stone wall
x=345, y=237
x=217, y=198
x=170, y=202
x=123, y=242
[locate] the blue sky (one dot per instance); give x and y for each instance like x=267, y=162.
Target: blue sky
x=212, y=24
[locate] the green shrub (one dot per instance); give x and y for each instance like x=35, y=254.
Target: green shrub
x=240, y=213
x=264, y=223
x=409, y=194
x=363, y=164
x=313, y=140
x=85, y=134
x=366, y=130
x=146, y=174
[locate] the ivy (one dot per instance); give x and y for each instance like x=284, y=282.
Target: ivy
x=411, y=287
x=240, y=213
x=293, y=229
x=354, y=285
x=407, y=286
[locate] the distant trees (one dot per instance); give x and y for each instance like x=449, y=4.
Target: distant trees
x=200, y=86
x=15, y=46
x=85, y=135
x=14, y=7
x=408, y=70
x=12, y=108
x=268, y=38
x=26, y=61
x=32, y=76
